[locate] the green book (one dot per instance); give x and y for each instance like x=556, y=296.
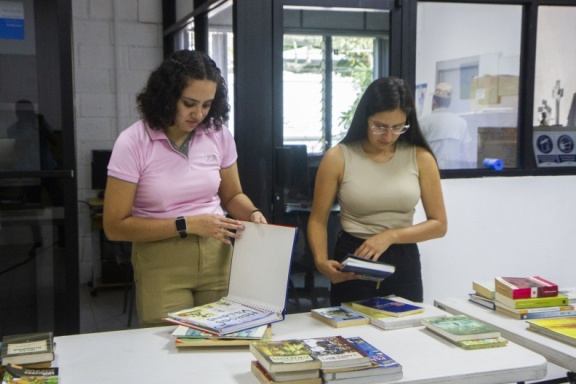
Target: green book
x=460, y=328
x=533, y=302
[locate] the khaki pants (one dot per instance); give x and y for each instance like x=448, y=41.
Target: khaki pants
x=175, y=274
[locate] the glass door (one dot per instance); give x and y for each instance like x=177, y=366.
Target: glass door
x=38, y=205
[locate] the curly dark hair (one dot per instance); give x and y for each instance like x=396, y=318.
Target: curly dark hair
x=386, y=94
x=157, y=101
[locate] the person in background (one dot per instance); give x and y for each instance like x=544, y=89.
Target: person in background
x=446, y=132
x=172, y=181
x=378, y=173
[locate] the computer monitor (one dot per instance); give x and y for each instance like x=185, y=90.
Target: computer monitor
x=292, y=173
x=100, y=159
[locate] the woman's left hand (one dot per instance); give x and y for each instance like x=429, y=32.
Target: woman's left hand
x=374, y=246
x=258, y=217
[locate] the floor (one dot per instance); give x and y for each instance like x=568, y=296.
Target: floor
x=103, y=309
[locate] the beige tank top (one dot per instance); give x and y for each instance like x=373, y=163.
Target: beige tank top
x=376, y=196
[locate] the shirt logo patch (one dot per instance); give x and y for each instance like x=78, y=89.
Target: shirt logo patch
x=211, y=159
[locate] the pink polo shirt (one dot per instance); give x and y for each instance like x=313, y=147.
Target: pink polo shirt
x=169, y=184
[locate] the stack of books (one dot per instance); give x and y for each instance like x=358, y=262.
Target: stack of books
x=465, y=332
x=530, y=298
x=393, y=312
x=28, y=358
x=189, y=337
x=484, y=293
x=330, y=359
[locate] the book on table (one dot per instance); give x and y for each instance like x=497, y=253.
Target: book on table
x=560, y=328
x=294, y=377
x=484, y=288
x=392, y=322
x=337, y=352
x=28, y=348
x=525, y=287
x=534, y=302
x=481, y=300
x=190, y=337
x=381, y=365
x=18, y=374
x=460, y=328
x=367, y=269
x=259, y=276
x=535, y=313
x=285, y=355
x=493, y=342
x=339, y=316
x=388, y=306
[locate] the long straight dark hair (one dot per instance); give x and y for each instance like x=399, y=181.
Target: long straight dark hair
x=386, y=94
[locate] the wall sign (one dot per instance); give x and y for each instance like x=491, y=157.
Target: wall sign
x=11, y=20
x=554, y=146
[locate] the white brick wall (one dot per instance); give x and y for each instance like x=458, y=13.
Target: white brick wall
x=116, y=44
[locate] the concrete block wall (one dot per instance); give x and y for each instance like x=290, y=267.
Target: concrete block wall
x=116, y=43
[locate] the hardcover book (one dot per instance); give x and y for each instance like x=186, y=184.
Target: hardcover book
x=190, y=337
x=380, y=364
x=392, y=322
x=387, y=306
x=561, y=328
x=366, y=268
x=339, y=316
x=29, y=348
x=295, y=377
x=534, y=302
x=460, y=327
x=484, y=288
x=525, y=287
x=337, y=352
x=258, y=283
x=481, y=300
x=284, y=355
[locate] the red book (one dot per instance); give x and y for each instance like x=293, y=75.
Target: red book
x=525, y=287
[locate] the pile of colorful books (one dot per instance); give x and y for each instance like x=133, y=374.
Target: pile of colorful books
x=190, y=337
x=28, y=358
x=530, y=298
x=330, y=359
x=484, y=293
x=465, y=332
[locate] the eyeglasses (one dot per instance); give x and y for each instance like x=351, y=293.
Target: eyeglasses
x=381, y=129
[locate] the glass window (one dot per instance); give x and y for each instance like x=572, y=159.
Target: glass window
x=467, y=73
x=555, y=88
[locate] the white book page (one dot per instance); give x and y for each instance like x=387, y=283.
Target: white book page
x=261, y=265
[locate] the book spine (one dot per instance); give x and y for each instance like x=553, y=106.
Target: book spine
x=544, y=315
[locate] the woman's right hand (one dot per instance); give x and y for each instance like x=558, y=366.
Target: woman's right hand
x=217, y=227
x=331, y=269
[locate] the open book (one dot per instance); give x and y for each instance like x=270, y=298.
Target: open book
x=258, y=282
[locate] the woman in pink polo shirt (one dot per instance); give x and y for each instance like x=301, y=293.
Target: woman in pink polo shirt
x=171, y=178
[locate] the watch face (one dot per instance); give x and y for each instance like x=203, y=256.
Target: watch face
x=181, y=224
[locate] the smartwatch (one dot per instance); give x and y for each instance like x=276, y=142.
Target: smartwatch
x=181, y=226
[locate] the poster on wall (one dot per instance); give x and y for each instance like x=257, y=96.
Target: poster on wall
x=555, y=146
x=11, y=20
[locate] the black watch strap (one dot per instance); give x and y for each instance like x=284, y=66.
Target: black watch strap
x=181, y=226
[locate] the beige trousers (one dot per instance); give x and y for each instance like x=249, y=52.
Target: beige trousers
x=175, y=274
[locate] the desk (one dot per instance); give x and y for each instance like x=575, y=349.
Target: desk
x=515, y=330
x=148, y=355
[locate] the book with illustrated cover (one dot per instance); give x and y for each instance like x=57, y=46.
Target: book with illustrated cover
x=460, y=327
x=258, y=284
x=534, y=302
x=29, y=348
x=190, y=337
x=560, y=328
x=15, y=374
x=339, y=316
x=367, y=269
x=381, y=365
x=525, y=287
x=295, y=377
x=392, y=322
x=284, y=355
x=484, y=288
x=388, y=306
x=337, y=352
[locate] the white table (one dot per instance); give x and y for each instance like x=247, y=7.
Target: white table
x=515, y=330
x=149, y=356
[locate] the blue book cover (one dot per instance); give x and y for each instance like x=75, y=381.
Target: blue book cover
x=369, y=269
x=387, y=306
x=378, y=358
